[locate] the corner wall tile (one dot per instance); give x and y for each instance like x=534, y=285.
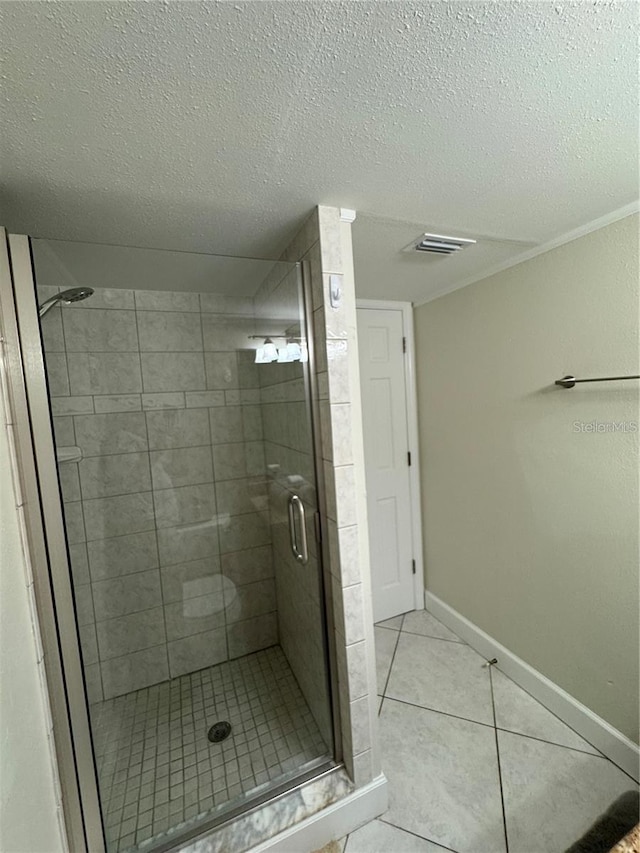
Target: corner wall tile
x=252, y=635
x=134, y=671
x=194, y=616
x=93, y=681
x=249, y=601
x=197, y=652
x=249, y=565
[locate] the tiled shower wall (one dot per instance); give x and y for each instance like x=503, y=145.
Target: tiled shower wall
x=167, y=512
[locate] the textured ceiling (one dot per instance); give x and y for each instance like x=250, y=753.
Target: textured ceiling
x=216, y=126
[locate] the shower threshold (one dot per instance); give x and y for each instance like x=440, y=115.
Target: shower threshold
x=158, y=772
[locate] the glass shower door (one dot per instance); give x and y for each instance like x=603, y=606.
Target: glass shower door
x=180, y=402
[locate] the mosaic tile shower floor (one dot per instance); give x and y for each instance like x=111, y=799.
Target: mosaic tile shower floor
x=157, y=770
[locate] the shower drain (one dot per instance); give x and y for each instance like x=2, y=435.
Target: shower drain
x=219, y=731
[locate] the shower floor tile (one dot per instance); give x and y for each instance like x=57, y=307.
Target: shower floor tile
x=157, y=770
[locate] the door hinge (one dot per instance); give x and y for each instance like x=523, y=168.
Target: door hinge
x=404, y=345
x=413, y=566
x=409, y=458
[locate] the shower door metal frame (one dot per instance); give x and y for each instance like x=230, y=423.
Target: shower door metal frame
x=30, y=414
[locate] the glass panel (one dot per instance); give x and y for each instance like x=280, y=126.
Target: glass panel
x=179, y=392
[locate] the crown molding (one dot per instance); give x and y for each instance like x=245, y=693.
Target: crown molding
x=567, y=237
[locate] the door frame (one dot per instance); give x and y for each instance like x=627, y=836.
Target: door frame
x=406, y=312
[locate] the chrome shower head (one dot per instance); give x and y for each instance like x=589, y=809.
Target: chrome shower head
x=74, y=294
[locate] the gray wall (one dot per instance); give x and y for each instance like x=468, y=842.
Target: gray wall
x=166, y=514
x=531, y=522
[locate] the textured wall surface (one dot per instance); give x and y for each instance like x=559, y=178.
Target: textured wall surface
x=530, y=514
x=166, y=513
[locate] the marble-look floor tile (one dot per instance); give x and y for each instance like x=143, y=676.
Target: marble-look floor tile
x=447, y=677
x=443, y=778
x=379, y=837
x=395, y=623
x=422, y=622
x=519, y=712
x=386, y=642
x=553, y=794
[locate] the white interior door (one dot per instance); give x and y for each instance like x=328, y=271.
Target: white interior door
x=386, y=451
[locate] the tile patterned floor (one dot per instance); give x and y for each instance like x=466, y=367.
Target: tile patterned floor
x=475, y=764
x=157, y=770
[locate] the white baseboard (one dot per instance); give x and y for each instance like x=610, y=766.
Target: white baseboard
x=334, y=822
x=590, y=726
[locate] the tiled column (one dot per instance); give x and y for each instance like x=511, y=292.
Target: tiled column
x=325, y=242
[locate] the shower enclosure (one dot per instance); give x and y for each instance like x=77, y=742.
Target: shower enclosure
x=177, y=467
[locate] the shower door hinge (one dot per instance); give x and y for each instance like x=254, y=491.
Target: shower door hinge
x=409, y=458
x=413, y=566
x=404, y=345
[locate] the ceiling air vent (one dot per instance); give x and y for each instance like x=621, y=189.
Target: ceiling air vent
x=438, y=244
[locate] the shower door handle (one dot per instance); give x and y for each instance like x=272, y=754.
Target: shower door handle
x=300, y=553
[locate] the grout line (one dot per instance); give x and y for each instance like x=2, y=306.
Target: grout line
x=393, y=657
x=436, y=711
x=555, y=743
x=563, y=723
x=415, y=834
x=495, y=731
x=432, y=637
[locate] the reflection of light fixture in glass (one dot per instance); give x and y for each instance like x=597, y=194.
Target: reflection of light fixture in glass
x=270, y=350
x=294, y=351
x=267, y=353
